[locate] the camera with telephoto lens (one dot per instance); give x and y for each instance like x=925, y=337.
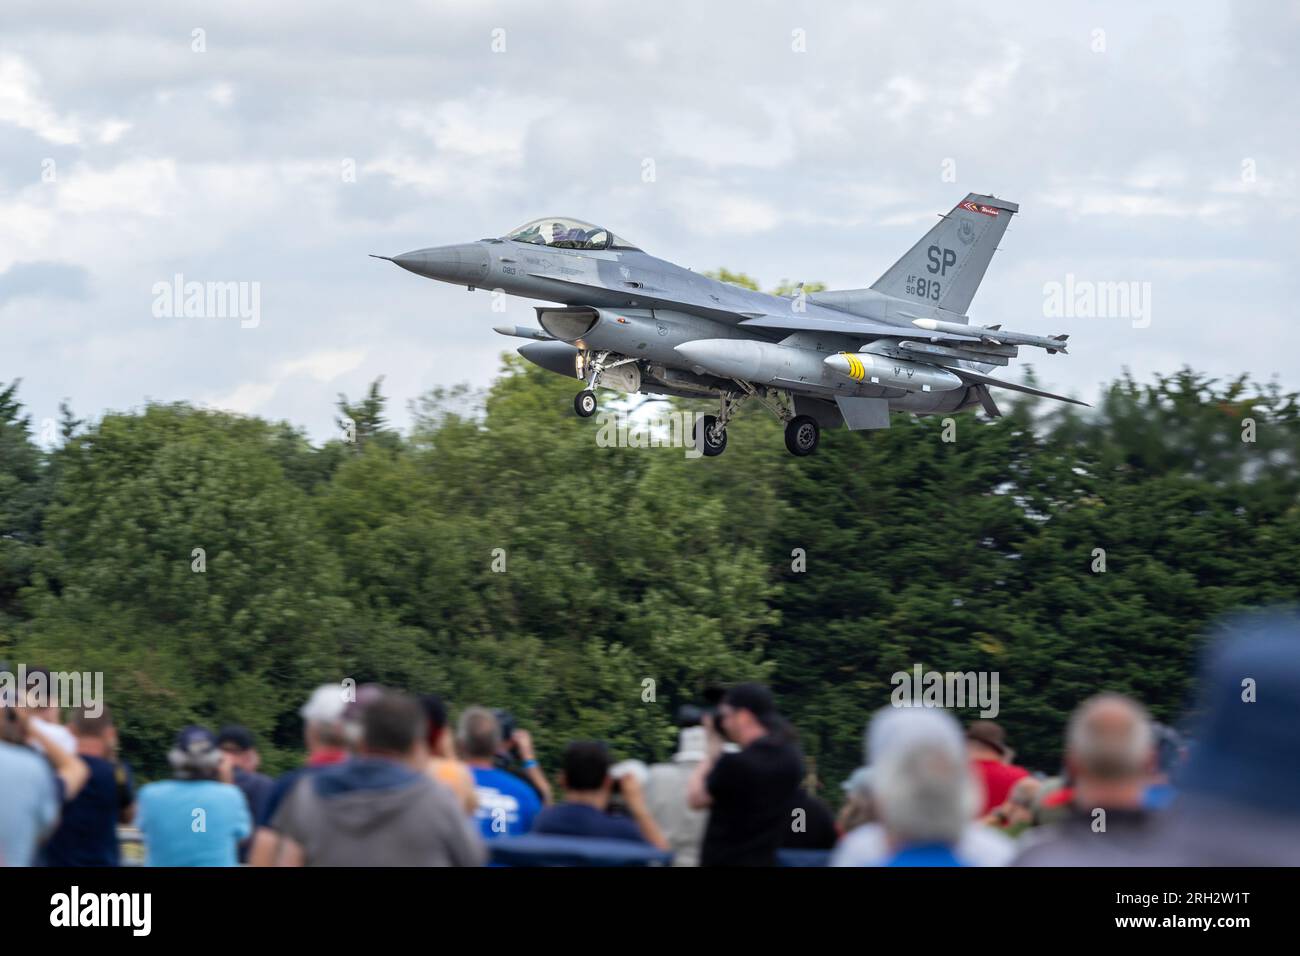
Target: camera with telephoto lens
x=507, y=758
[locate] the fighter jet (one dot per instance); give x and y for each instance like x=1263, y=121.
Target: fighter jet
x=622, y=319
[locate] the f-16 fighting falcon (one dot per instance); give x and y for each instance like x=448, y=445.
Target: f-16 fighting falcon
x=628, y=321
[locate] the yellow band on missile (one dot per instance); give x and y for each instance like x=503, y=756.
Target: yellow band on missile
x=856, y=370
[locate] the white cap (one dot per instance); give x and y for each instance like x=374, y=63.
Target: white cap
x=325, y=705
x=692, y=745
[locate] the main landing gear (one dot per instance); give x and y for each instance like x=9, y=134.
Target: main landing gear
x=802, y=435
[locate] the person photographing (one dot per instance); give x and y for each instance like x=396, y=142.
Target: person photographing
x=749, y=793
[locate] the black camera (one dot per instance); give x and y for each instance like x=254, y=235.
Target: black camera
x=692, y=715
x=506, y=721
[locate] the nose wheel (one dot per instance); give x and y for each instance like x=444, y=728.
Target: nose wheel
x=710, y=436
x=802, y=435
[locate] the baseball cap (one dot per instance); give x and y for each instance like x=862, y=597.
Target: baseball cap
x=195, y=741
x=195, y=752
x=237, y=736
x=988, y=733
x=325, y=705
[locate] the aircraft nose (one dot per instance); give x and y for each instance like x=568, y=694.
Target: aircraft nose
x=466, y=263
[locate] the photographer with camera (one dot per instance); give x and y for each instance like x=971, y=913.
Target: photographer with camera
x=87, y=835
x=35, y=786
x=515, y=755
x=588, y=789
x=507, y=804
x=749, y=794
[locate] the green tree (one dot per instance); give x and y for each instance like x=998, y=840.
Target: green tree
x=21, y=493
x=180, y=562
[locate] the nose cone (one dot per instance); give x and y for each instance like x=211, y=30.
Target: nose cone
x=846, y=364
x=463, y=264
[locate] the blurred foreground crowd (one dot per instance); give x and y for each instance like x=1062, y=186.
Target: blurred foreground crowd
x=387, y=781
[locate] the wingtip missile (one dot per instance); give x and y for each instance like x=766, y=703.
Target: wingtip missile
x=994, y=334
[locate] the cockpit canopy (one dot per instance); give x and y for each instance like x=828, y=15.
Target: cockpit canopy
x=560, y=233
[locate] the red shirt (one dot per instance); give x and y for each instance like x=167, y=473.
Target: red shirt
x=326, y=756
x=998, y=779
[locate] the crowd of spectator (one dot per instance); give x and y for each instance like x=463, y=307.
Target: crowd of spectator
x=385, y=781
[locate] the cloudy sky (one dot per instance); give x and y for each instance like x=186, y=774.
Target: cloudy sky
x=278, y=144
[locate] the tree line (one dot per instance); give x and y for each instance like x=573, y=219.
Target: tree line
x=215, y=567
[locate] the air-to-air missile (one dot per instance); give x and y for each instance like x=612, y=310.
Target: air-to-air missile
x=994, y=334
x=523, y=332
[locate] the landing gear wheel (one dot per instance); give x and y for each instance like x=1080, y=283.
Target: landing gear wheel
x=802, y=435
x=708, y=438
x=584, y=403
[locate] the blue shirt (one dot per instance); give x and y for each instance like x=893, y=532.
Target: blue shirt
x=581, y=820
x=29, y=805
x=87, y=835
x=1158, y=796
x=192, y=822
x=506, y=804
x=928, y=855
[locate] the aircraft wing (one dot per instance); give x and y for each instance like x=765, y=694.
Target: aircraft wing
x=850, y=325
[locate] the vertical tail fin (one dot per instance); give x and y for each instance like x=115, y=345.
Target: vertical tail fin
x=945, y=268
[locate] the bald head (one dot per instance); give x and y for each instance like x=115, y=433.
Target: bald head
x=1110, y=740
x=479, y=732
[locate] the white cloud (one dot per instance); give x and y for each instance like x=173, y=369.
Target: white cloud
x=825, y=165
x=900, y=96
x=21, y=106
x=325, y=366
x=249, y=398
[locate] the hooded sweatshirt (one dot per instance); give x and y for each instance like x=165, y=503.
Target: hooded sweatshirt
x=371, y=811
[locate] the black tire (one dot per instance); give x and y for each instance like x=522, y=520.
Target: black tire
x=802, y=435
x=709, y=446
x=584, y=403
